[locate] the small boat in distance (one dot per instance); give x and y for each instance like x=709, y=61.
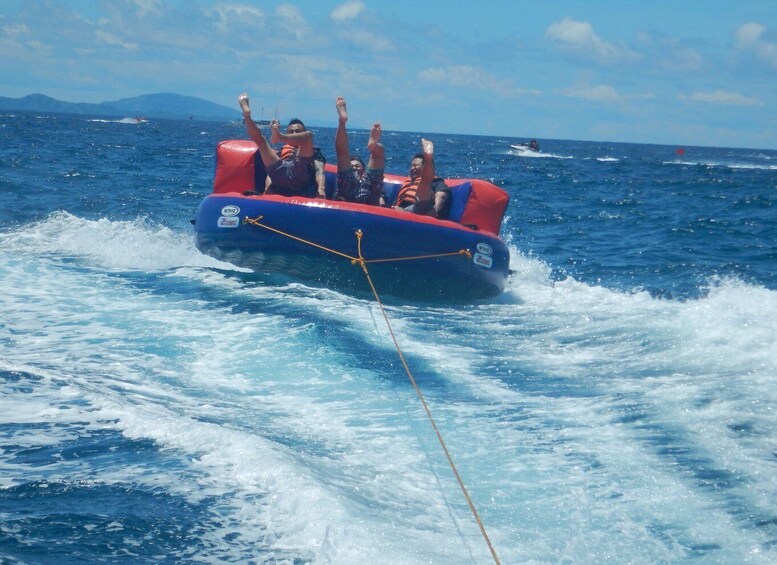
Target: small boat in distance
x=532, y=146
x=135, y=120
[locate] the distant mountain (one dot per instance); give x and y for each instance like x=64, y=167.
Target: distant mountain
x=41, y=103
x=173, y=106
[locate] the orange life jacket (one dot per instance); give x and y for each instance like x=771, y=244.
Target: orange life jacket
x=406, y=194
x=287, y=151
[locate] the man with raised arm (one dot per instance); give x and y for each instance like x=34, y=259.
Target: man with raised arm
x=424, y=192
x=289, y=173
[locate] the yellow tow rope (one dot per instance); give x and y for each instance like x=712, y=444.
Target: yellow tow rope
x=362, y=262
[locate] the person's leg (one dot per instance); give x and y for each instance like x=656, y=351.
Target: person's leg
x=266, y=152
x=377, y=154
x=373, y=177
x=341, y=137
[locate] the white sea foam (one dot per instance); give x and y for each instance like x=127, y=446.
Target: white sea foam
x=537, y=154
x=120, y=121
x=110, y=244
x=724, y=164
x=155, y=367
x=256, y=394
x=292, y=408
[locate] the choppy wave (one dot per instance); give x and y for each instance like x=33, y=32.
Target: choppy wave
x=109, y=244
x=724, y=164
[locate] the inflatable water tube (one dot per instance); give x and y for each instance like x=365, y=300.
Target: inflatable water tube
x=343, y=245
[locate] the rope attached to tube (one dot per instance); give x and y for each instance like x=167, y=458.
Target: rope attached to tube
x=362, y=262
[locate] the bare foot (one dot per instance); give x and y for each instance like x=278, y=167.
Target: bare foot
x=374, y=140
x=342, y=112
x=243, y=101
x=275, y=131
x=428, y=147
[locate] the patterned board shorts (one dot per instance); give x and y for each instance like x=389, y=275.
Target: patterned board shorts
x=291, y=175
x=365, y=190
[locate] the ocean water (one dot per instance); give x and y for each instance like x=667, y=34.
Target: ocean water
x=618, y=403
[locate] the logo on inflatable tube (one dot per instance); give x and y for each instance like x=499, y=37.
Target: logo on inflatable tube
x=228, y=222
x=484, y=249
x=483, y=260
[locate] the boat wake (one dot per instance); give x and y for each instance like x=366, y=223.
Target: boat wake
x=142, y=246
x=121, y=121
x=130, y=336
x=521, y=151
x=134, y=245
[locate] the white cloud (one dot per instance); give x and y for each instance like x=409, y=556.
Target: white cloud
x=368, y=40
x=669, y=53
x=459, y=75
x=114, y=40
x=292, y=21
x=472, y=77
x=605, y=93
x=347, y=11
x=600, y=93
x=581, y=38
x=229, y=16
x=365, y=36
x=15, y=30
x=303, y=71
x=750, y=38
x=725, y=98
x=146, y=7
x=684, y=59
x=749, y=35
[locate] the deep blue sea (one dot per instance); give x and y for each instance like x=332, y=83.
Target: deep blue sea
x=617, y=404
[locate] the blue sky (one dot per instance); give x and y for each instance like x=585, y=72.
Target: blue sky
x=669, y=72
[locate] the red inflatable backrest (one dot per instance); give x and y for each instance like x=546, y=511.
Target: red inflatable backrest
x=235, y=169
x=486, y=206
